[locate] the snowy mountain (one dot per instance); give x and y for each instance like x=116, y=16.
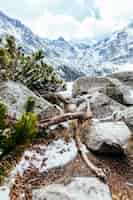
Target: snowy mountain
x=72, y=59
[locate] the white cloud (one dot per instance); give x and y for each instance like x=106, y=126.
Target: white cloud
x=116, y=9
x=49, y=25
x=53, y=26
x=113, y=13
x=91, y=27
x=70, y=18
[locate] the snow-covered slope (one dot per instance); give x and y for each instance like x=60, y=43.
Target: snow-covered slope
x=72, y=59
x=23, y=34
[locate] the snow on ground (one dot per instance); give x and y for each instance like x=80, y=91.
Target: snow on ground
x=123, y=67
x=56, y=154
x=4, y=193
x=68, y=91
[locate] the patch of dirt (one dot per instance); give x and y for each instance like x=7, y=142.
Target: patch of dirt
x=120, y=178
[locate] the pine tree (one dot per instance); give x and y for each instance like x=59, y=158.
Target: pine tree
x=31, y=70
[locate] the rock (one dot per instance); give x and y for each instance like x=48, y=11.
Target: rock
x=118, y=85
x=83, y=188
x=107, y=137
x=126, y=77
x=126, y=115
x=85, y=85
x=102, y=106
x=56, y=155
x=15, y=95
x=120, y=92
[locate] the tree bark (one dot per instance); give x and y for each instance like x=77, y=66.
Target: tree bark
x=98, y=171
x=65, y=117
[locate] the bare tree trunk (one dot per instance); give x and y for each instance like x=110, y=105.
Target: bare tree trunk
x=62, y=118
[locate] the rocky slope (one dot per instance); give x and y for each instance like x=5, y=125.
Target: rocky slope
x=51, y=165
x=75, y=58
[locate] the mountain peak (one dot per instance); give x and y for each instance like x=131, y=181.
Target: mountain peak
x=74, y=58
x=1, y=13
x=61, y=39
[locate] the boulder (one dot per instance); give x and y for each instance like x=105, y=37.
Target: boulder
x=102, y=106
x=15, y=95
x=120, y=92
x=85, y=85
x=126, y=77
x=83, y=188
x=126, y=115
x=107, y=137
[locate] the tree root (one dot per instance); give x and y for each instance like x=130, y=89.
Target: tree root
x=99, y=172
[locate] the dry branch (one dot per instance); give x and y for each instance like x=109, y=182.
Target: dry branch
x=62, y=118
x=42, y=124
x=80, y=116
x=98, y=171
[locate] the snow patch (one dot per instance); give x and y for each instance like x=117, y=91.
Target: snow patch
x=4, y=193
x=131, y=94
x=56, y=154
x=125, y=67
x=68, y=92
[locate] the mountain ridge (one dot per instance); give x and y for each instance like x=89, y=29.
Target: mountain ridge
x=72, y=59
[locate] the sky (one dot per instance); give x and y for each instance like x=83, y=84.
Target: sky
x=71, y=19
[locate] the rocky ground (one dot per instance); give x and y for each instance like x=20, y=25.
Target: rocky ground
x=120, y=176
x=52, y=168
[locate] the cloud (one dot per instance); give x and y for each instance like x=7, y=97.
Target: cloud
x=49, y=25
x=116, y=9
x=53, y=26
x=91, y=28
x=70, y=18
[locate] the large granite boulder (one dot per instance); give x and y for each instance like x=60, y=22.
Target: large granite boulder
x=82, y=188
x=125, y=77
x=126, y=115
x=102, y=106
x=15, y=95
x=107, y=137
x=120, y=92
x=85, y=85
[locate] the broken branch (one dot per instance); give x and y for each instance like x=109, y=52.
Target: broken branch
x=98, y=171
x=62, y=118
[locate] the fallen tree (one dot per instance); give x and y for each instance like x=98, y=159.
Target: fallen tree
x=62, y=118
